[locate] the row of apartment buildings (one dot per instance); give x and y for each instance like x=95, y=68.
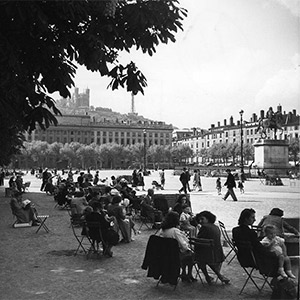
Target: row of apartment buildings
x=233, y=132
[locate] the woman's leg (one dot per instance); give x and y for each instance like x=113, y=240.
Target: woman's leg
x=288, y=267
x=217, y=268
x=280, y=266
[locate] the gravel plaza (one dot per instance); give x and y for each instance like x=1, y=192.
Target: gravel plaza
x=42, y=265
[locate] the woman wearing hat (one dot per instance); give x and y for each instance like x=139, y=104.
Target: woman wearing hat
x=275, y=217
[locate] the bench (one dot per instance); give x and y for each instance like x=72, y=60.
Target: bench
x=170, y=198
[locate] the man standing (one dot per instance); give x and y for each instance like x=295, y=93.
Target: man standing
x=184, y=179
x=230, y=183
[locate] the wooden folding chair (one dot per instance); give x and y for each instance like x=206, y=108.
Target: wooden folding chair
x=162, y=260
x=42, y=219
x=94, y=236
x=250, y=265
x=228, y=241
x=79, y=232
x=204, y=252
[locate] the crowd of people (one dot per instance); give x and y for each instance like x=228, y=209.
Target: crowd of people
x=114, y=202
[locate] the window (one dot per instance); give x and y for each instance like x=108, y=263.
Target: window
x=226, y=133
x=207, y=143
x=234, y=133
x=296, y=127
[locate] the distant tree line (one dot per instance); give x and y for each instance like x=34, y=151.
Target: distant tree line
x=112, y=155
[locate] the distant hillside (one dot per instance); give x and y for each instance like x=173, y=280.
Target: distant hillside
x=102, y=114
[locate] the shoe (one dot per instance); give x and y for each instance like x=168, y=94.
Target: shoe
x=282, y=273
x=35, y=224
x=290, y=274
x=224, y=279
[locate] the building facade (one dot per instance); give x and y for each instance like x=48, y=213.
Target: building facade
x=86, y=130
x=233, y=132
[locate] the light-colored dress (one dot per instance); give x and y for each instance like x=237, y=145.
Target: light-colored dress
x=177, y=234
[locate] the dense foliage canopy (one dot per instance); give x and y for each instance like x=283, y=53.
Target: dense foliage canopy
x=42, y=40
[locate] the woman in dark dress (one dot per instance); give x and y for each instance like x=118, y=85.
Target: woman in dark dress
x=267, y=260
x=100, y=234
x=209, y=230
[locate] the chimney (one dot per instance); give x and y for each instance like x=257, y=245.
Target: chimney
x=238, y=122
x=294, y=112
x=219, y=124
x=262, y=114
x=254, y=117
x=212, y=125
x=231, y=121
x=225, y=122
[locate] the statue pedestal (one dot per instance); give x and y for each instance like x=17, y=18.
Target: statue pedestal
x=272, y=156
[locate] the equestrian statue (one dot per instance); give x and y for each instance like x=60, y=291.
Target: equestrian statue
x=273, y=121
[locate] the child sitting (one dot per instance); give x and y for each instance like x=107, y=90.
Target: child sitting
x=185, y=221
x=276, y=244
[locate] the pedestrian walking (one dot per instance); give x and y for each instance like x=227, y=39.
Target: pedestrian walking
x=162, y=178
x=184, y=179
x=230, y=183
x=197, y=181
x=241, y=187
x=219, y=185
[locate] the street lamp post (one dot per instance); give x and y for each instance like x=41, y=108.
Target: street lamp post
x=145, y=142
x=242, y=144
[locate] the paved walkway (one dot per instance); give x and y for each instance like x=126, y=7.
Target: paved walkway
x=42, y=266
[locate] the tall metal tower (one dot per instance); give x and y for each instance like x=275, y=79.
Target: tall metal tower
x=132, y=103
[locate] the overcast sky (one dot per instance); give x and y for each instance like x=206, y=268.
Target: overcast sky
x=232, y=55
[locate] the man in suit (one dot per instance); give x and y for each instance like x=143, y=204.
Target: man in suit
x=230, y=183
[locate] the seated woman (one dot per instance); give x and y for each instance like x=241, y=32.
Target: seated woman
x=125, y=222
x=100, y=234
x=209, y=230
x=267, y=260
x=275, y=217
x=182, y=200
x=78, y=203
x=24, y=213
x=185, y=221
x=169, y=229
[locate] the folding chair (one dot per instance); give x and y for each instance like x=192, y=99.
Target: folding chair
x=94, y=236
x=162, y=260
x=42, y=219
x=228, y=241
x=79, y=232
x=250, y=265
x=204, y=253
